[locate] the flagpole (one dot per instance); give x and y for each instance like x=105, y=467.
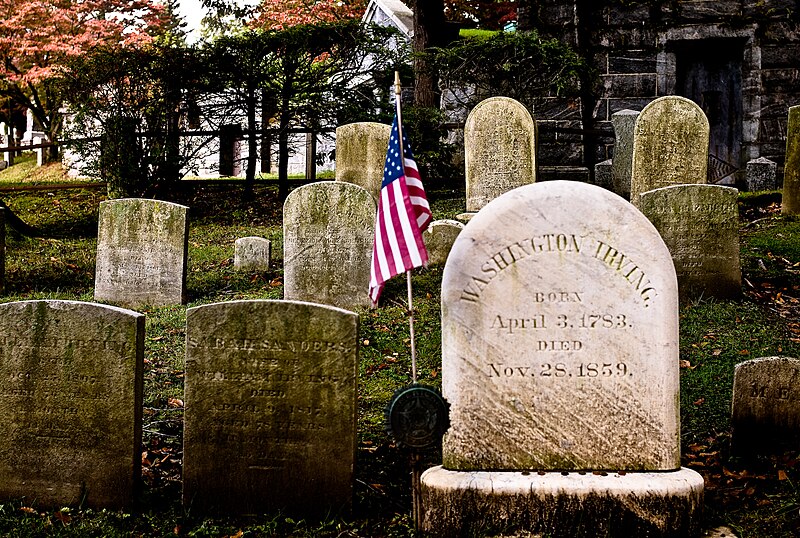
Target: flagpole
x=416, y=458
x=397, y=99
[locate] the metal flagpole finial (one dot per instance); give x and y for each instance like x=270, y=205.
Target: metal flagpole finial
x=397, y=88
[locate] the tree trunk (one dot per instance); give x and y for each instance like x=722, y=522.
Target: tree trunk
x=584, y=20
x=283, y=163
x=525, y=16
x=252, y=145
x=429, y=31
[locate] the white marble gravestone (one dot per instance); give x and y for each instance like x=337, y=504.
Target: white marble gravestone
x=141, y=253
x=328, y=231
x=560, y=355
x=252, y=254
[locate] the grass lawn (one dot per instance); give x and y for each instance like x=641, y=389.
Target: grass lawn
x=755, y=498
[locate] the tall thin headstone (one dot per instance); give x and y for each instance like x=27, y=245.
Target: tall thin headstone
x=270, y=400
x=700, y=225
x=328, y=230
x=623, y=122
x=71, y=378
x=670, y=145
x=141, y=253
x=560, y=355
x=2, y=250
x=790, y=203
x=499, y=150
x=765, y=412
x=361, y=154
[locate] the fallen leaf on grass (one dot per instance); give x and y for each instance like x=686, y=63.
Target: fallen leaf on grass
x=687, y=364
x=174, y=402
x=782, y=475
x=28, y=510
x=63, y=517
x=699, y=402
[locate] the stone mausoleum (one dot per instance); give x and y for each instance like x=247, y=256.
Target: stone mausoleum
x=738, y=59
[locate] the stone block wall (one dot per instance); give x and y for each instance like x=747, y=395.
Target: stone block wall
x=635, y=48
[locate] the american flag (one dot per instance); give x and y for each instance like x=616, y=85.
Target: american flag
x=403, y=214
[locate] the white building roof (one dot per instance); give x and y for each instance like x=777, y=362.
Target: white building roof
x=390, y=12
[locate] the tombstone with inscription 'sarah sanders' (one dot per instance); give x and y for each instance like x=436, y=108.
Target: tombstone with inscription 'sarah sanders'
x=270, y=396
x=439, y=237
x=328, y=231
x=499, y=150
x=361, y=154
x=141, y=253
x=252, y=254
x=670, y=145
x=70, y=403
x=700, y=225
x=560, y=357
x=766, y=406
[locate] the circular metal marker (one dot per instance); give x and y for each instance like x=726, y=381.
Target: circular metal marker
x=417, y=416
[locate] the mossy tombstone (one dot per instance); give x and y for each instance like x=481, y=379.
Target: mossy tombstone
x=70, y=403
x=270, y=396
x=670, y=145
x=328, y=231
x=700, y=225
x=361, y=153
x=499, y=150
x=141, y=253
x=790, y=204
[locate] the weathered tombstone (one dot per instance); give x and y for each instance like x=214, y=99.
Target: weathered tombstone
x=499, y=150
x=700, y=225
x=623, y=122
x=670, y=145
x=790, y=203
x=761, y=175
x=252, y=254
x=2, y=250
x=141, y=253
x=361, y=154
x=270, y=396
x=439, y=238
x=328, y=230
x=70, y=403
x=766, y=406
x=560, y=364
x=603, y=176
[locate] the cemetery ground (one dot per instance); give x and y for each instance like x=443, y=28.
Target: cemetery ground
x=756, y=498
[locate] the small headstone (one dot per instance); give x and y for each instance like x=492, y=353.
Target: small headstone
x=328, y=231
x=70, y=403
x=361, y=154
x=270, y=408
x=790, y=204
x=39, y=151
x=670, y=145
x=700, y=225
x=623, y=122
x=560, y=354
x=141, y=253
x=766, y=405
x=439, y=238
x=252, y=254
x=603, y=176
x=761, y=175
x=500, y=150
x=8, y=141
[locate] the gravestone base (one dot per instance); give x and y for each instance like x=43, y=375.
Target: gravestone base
x=653, y=504
x=466, y=217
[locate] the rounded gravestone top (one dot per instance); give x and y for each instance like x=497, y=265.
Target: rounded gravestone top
x=670, y=145
x=560, y=336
